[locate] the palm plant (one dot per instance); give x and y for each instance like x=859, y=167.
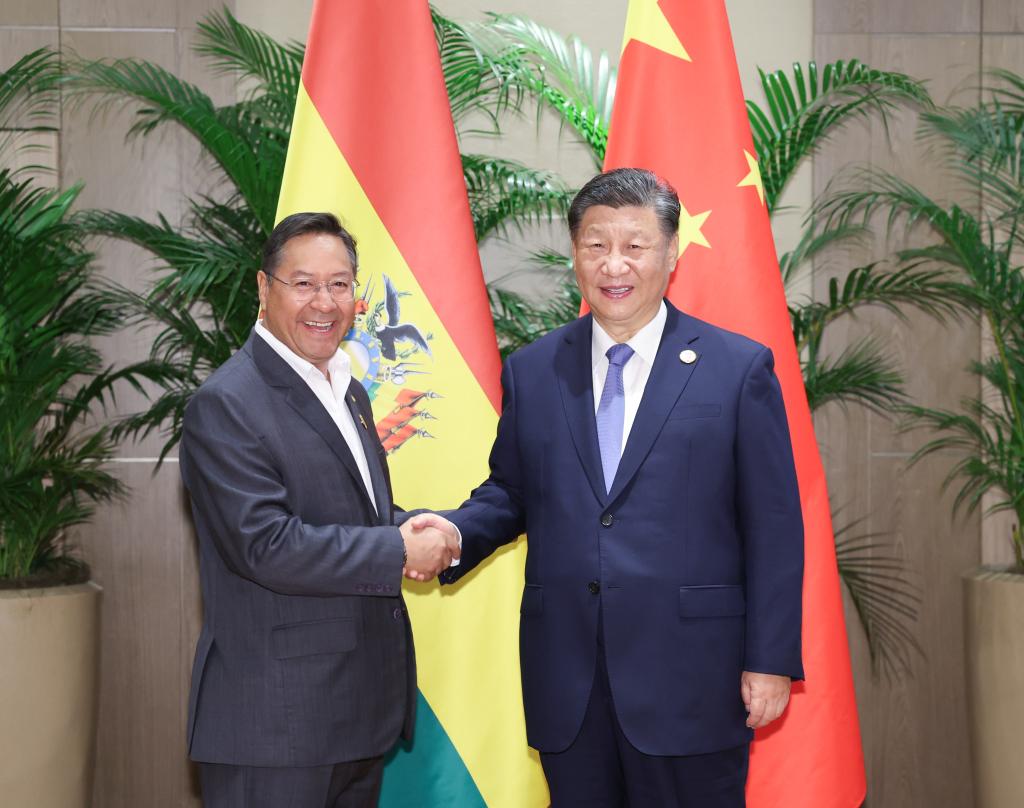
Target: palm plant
x=983, y=145
x=51, y=465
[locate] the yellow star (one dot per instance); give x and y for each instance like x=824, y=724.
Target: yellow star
x=689, y=229
x=754, y=177
x=646, y=22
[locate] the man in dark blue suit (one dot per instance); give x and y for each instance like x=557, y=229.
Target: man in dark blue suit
x=647, y=456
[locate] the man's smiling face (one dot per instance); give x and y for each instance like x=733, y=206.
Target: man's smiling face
x=310, y=328
x=623, y=261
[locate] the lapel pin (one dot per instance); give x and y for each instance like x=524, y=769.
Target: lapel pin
x=688, y=357
x=362, y=421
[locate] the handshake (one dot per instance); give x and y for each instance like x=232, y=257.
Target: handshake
x=431, y=542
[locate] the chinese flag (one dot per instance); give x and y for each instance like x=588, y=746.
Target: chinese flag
x=373, y=142
x=679, y=111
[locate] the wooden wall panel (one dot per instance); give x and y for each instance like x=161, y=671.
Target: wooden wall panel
x=141, y=177
x=887, y=17
x=136, y=549
x=29, y=12
x=914, y=729
x=1003, y=17
x=119, y=14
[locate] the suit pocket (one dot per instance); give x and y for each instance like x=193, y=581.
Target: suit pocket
x=533, y=601
x=695, y=411
x=314, y=637
x=712, y=601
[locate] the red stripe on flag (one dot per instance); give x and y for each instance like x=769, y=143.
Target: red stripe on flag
x=687, y=122
x=373, y=73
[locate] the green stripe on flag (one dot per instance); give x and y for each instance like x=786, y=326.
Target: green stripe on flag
x=428, y=771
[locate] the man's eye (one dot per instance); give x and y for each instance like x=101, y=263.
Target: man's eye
x=339, y=286
x=304, y=285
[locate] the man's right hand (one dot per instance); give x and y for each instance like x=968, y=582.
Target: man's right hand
x=431, y=542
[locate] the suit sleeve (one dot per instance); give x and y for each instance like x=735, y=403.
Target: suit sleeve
x=494, y=514
x=771, y=524
x=240, y=501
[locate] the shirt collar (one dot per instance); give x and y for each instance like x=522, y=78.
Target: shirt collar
x=644, y=342
x=339, y=366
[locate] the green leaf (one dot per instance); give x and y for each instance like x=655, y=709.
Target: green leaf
x=799, y=120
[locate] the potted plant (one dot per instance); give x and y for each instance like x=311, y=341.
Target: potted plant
x=983, y=246
x=51, y=465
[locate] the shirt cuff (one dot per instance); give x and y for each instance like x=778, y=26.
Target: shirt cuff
x=455, y=561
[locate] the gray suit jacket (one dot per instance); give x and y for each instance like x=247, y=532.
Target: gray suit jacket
x=306, y=654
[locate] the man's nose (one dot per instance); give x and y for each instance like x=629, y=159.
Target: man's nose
x=615, y=264
x=322, y=298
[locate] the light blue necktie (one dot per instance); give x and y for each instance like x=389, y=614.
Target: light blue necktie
x=611, y=412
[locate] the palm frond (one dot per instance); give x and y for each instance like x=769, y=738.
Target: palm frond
x=803, y=112
x=886, y=601
x=274, y=69
x=519, y=320
x=562, y=73
x=813, y=243
x=863, y=373
x=505, y=194
x=248, y=149
x=477, y=84
x=29, y=91
x=51, y=464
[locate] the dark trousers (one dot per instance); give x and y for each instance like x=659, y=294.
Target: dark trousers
x=602, y=769
x=344, y=785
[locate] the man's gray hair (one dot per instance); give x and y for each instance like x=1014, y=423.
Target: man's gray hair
x=628, y=187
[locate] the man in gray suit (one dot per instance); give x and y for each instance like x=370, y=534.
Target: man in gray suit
x=304, y=675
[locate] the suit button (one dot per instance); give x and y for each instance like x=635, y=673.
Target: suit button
x=607, y=519
x=594, y=587
x=397, y=613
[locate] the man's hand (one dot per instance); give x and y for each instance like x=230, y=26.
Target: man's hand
x=431, y=542
x=765, y=696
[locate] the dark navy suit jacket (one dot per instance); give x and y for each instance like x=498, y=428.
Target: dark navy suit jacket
x=306, y=656
x=695, y=557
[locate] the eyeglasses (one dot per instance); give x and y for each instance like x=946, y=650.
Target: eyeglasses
x=341, y=291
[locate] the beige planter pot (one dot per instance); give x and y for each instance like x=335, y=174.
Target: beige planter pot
x=994, y=627
x=49, y=665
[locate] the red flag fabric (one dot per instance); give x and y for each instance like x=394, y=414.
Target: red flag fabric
x=679, y=111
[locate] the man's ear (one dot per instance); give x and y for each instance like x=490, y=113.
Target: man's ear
x=673, y=255
x=263, y=288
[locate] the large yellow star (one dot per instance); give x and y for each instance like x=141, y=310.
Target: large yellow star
x=754, y=177
x=646, y=22
x=690, y=229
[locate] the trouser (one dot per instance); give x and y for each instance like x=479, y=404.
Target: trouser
x=602, y=769
x=355, y=784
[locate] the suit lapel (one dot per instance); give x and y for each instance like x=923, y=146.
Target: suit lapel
x=576, y=385
x=362, y=416
x=278, y=373
x=668, y=378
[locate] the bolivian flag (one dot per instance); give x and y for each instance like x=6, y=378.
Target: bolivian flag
x=679, y=111
x=373, y=142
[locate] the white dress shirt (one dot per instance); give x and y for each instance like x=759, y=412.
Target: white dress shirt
x=637, y=370
x=330, y=393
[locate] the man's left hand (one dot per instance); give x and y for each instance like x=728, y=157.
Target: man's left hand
x=765, y=695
